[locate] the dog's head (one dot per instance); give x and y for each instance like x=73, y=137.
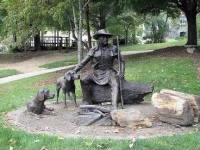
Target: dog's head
x=69, y=76
x=44, y=94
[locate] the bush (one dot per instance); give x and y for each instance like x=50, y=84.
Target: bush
x=3, y=48
x=14, y=49
x=158, y=29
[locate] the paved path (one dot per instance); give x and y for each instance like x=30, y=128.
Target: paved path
x=35, y=73
x=125, y=53
x=31, y=74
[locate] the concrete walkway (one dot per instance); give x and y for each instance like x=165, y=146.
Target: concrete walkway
x=31, y=74
x=125, y=53
x=35, y=73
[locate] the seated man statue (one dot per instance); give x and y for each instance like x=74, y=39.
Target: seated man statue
x=102, y=57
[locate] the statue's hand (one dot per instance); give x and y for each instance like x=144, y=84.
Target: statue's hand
x=121, y=75
x=74, y=74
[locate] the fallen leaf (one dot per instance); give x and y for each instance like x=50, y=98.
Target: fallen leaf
x=116, y=131
x=61, y=138
x=89, y=143
x=11, y=148
x=36, y=141
x=99, y=146
x=131, y=145
x=12, y=141
x=133, y=140
x=12, y=129
x=77, y=132
x=107, y=131
x=43, y=148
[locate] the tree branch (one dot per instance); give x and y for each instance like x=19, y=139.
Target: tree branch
x=179, y=4
x=85, y=4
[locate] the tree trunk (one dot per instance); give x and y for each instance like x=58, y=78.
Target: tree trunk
x=88, y=26
x=14, y=37
x=80, y=52
x=54, y=37
x=76, y=31
x=134, y=40
x=102, y=21
x=58, y=40
x=126, y=36
x=37, y=44
x=126, y=33
x=192, y=27
x=68, y=40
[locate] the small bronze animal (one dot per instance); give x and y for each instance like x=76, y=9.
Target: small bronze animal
x=36, y=105
x=66, y=83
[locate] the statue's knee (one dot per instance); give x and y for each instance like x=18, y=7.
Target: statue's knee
x=85, y=82
x=114, y=83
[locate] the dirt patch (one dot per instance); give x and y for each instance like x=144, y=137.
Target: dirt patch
x=29, y=62
x=63, y=123
x=177, y=51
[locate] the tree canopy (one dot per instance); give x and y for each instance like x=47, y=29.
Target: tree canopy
x=27, y=18
x=172, y=7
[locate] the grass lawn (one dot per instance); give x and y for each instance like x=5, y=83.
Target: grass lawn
x=7, y=72
x=154, y=46
x=173, y=73
x=70, y=60
x=58, y=64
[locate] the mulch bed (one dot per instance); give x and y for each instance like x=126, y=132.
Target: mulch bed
x=63, y=123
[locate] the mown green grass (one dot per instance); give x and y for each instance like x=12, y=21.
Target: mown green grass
x=173, y=73
x=7, y=72
x=70, y=60
x=21, y=140
x=57, y=64
x=154, y=46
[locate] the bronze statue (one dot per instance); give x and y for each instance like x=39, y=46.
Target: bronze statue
x=36, y=105
x=102, y=58
x=99, y=79
x=66, y=83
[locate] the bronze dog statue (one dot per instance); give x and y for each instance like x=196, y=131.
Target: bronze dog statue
x=66, y=83
x=36, y=105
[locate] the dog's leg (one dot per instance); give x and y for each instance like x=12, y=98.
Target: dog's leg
x=68, y=94
x=65, y=99
x=74, y=96
x=58, y=91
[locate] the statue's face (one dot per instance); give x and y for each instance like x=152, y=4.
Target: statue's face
x=103, y=40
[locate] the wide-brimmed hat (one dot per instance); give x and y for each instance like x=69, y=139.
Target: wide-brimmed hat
x=101, y=32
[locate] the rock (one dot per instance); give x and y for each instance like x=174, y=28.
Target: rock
x=190, y=48
x=193, y=100
x=173, y=109
x=130, y=118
